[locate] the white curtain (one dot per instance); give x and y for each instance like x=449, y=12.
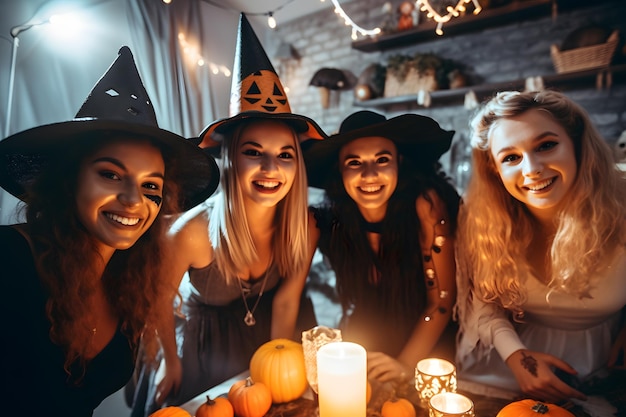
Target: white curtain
x=182, y=97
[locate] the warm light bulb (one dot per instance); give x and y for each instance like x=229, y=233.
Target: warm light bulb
x=271, y=22
x=225, y=71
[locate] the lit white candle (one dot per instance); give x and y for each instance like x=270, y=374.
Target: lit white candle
x=342, y=380
x=450, y=404
x=432, y=376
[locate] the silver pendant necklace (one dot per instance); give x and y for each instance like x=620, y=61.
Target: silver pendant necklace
x=249, y=317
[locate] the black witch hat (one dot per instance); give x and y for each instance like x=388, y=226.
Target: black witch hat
x=118, y=103
x=419, y=138
x=256, y=92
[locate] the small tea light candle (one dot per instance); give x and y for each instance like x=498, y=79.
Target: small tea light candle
x=433, y=376
x=450, y=404
x=342, y=379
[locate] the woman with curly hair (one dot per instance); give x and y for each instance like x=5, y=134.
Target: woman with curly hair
x=80, y=276
x=387, y=227
x=541, y=251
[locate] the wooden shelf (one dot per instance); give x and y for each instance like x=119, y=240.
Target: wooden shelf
x=561, y=81
x=518, y=10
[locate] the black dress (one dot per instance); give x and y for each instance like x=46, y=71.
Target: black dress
x=214, y=344
x=32, y=377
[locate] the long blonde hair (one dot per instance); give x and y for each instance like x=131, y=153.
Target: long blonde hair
x=228, y=227
x=495, y=229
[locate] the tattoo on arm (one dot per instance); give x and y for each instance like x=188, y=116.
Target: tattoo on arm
x=530, y=364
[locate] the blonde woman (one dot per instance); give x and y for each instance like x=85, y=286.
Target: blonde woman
x=541, y=251
x=247, y=250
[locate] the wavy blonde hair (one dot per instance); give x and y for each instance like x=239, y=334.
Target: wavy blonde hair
x=228, y=227
x=495, y=229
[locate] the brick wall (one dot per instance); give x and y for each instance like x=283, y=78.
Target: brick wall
x=498, y=54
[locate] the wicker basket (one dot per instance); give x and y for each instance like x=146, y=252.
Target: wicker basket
x=412, y=83
x=588, y=57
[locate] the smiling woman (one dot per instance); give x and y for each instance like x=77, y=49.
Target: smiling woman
x=541, y=254
x=387, y=228
x=247, y=250
x=81, y=272
x=114, y=186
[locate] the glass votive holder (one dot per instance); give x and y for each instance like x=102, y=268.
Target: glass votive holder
x=434, y=376
x=312, y=340
x=450, y=404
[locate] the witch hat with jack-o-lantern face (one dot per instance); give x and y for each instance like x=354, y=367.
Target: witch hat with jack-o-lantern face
x=256, y=93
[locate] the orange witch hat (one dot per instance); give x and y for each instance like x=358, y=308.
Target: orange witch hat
x=256, y=92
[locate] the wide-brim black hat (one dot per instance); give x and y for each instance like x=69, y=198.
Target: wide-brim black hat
x=118, y=103
x=417, y=137
x=256, y=93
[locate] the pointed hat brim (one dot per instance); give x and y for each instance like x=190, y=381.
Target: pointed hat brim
x=117, y=103
x=417, y=137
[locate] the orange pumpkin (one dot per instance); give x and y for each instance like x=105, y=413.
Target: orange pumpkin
x=218, y=407
x=532, y=408
x=249, y=398
x=279, y=364
x=397, y=407
x=171, y=411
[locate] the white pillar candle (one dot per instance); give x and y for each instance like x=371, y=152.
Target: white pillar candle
x=342, y=380
x=450, y=404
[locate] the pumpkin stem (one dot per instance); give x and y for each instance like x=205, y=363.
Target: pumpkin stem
x=209, y=401
x=249, y=382
x=280, y=346
x=540, y=408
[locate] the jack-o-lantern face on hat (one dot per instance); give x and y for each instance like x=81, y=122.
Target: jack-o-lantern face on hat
x=260, y=91
x=255, y=92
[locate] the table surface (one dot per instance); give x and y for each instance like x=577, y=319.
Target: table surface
x=306, y=406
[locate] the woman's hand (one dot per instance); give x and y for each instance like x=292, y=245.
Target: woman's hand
x=384, y=368
x=533, y=371
x=171, y=380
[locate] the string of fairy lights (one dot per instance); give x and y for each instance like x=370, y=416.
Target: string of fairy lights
x=424, y=5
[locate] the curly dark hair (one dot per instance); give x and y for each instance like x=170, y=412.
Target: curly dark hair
x=131, y=278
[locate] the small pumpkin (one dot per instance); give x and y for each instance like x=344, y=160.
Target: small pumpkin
x=171, y=411
x=397, y=407
x=249, y=398
x=279, y=364
x=532, y=408
x=218, y=407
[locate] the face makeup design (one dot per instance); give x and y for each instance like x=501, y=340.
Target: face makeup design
x=120, y=191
